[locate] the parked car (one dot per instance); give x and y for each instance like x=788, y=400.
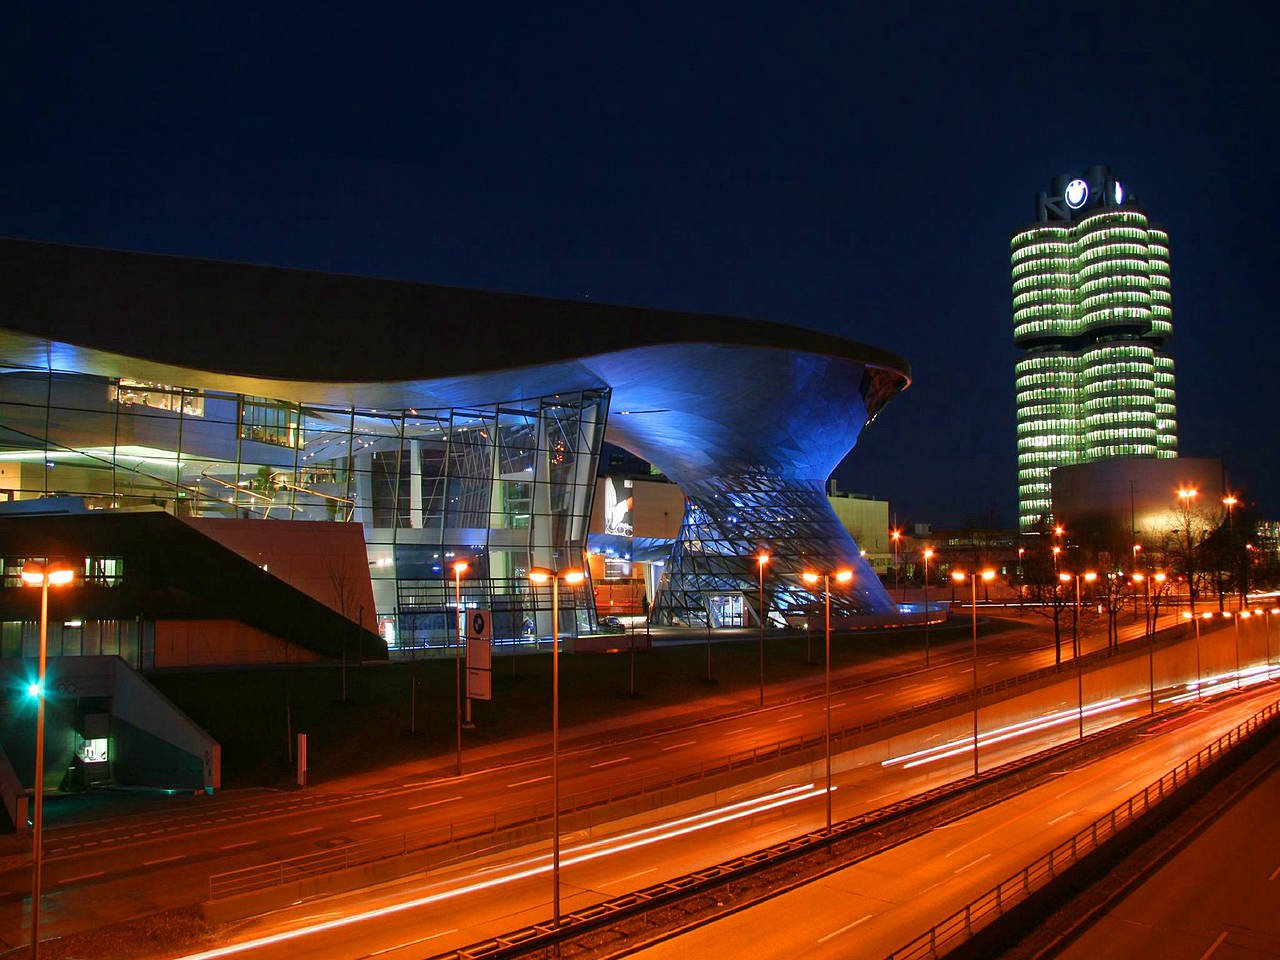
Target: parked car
x=612, y=625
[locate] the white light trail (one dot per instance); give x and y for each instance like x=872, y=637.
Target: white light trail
x=955, y=748
x=539, y=865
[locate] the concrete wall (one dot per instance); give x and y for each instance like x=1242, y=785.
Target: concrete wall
x=212, y=643
x=326, y=561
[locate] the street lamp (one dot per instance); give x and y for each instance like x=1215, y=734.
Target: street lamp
x=42, y=575
x=959, y=577
x=895, y=536
x=844, y=575
x=1151, y=637
x=539, y=576
x=1236, y=623
x=1076, y=646
x=459, y=567
x=761, y=559
x=928, y=552
x=1266, y=622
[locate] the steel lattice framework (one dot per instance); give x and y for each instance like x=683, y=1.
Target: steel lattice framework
x=728, y=521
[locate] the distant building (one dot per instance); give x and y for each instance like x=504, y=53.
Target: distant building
x=1115, y=504
x=1092, y=319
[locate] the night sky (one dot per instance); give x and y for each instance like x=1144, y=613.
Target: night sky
x=857, y=171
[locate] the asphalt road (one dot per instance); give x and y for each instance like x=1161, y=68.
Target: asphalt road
x=881, y=903
x=1218, y=897
x=886, y=899
x=103, y=872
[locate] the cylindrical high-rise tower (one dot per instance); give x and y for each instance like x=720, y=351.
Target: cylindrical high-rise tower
x=1092, y=316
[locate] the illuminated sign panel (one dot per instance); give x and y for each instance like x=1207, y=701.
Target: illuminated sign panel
x=1076, y=194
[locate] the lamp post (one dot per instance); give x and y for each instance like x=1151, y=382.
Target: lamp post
x=1076, y=646
x=761, y=559
x=1185, y=496
x=928, y=552
x=459, y=567
x=1160, y=578
x=1266, y=623
x=895, y=536
x=842, y=576
x=1022, y=577
x=959, y=577
x=1151, y=638
x=1235, y=622
x=43, y=576
x=572, y=576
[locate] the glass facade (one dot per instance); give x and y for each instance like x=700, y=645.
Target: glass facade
x=1092, y=320
x=505, y=486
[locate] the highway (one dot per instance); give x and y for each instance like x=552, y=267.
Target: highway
x=102, y=872
x=879, y=904
x=489, y=896
x=1215, y=898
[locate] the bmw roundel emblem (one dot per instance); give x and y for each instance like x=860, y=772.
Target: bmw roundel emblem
x=1076, y=194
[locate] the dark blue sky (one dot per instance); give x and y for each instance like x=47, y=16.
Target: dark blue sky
x=856, y=171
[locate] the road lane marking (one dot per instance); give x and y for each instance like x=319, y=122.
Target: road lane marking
x=152, y=863
x=845, y=928
x=1063, y=817
x=677, y=746
x=525, y=783
x=410, y=943
x=242, y=843
x=872, y=696
x=433, y=803
x=1122, y=786
x=298, y=833
x=1274, y=873
x=796, y=716
x=372, y=816
x=972, y=863
x=1216, y=944
x=86, y=876
x=836, y=706
x=630, y=876
x=610, y=763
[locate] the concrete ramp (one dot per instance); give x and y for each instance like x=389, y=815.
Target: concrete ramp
x=104, y=722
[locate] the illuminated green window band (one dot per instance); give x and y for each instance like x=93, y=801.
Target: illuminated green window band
x=1092, y=313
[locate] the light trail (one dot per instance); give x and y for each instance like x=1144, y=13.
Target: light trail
x=539, y=865
x=1222, y=682
x=954, y=748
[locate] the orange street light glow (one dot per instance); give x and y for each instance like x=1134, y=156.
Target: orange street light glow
x=1058, y=531
x=844, y=576
x=810, y=577
x=32, y=578
x=1064, y=577
x=988, y=574
x=1056, y=551
x=762, y=559
x=1229, y=500
x=1207, y=615
x=896, y=534
x=1188, y=492
x=1090, y=577
x=928, y=553
x=1185, y=615
x=957, y=576
x=1137, y=577
x=540, y=575
x=1160, y=578
x=459, y=566
x=573, y=576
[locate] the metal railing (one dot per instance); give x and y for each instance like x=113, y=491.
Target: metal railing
x=1007, y=894
x=280, y=872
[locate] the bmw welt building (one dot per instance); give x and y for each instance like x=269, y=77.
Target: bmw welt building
x=245, y=404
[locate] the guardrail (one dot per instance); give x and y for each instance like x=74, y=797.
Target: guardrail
x=1001, y=898
x=280, y=872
